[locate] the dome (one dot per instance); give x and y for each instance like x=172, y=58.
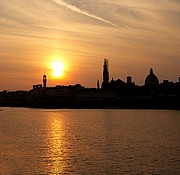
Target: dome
x=151, y=79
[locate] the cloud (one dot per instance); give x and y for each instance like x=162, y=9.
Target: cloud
x=83, y=12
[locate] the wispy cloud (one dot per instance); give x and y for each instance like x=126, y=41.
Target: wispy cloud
x=83, y=12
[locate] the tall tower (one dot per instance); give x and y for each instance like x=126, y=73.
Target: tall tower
x=105, y=74
x=98, y=84
x=129, y=79
x=44, y=81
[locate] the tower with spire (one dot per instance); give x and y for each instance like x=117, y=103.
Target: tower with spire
x=105, y=74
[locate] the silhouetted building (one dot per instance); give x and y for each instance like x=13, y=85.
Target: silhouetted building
x=40, y=86
x=151, y=79
x=116, y=84
x=165, y=81
x=114, y=94
x=44, y=81
x=129, y=79
x=37, y=86
x=105, y=75
x=98, y=86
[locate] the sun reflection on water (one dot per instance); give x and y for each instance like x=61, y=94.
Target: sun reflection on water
x=56, y=161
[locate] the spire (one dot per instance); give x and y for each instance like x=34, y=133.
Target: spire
x=105, y=74
x=151, y=71
x=105, y=71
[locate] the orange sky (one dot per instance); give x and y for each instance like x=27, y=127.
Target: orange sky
x=134, y=35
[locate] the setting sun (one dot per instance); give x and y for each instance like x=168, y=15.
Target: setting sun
x=58, y=68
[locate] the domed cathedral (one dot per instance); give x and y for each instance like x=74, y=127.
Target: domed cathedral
x=151, y=79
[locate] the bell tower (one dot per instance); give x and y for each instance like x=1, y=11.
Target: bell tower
x=44, y=81
x=105, y=74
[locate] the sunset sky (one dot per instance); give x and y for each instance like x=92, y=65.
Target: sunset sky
x=134, y=35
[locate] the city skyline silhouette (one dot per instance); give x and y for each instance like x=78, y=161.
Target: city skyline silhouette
x=113, y=93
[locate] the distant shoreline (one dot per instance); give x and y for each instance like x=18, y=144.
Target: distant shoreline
x=120, y=103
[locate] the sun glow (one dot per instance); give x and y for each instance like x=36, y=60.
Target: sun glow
x=58, y=68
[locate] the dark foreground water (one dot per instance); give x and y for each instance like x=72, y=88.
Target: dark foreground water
x=89, y=142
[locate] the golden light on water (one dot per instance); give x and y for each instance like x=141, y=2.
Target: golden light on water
x=56, y=155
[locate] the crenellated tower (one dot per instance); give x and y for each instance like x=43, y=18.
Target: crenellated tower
x=44, y=81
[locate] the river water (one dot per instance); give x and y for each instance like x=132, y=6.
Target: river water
x=89, y=142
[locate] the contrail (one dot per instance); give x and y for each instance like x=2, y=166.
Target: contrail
x=83, y=12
